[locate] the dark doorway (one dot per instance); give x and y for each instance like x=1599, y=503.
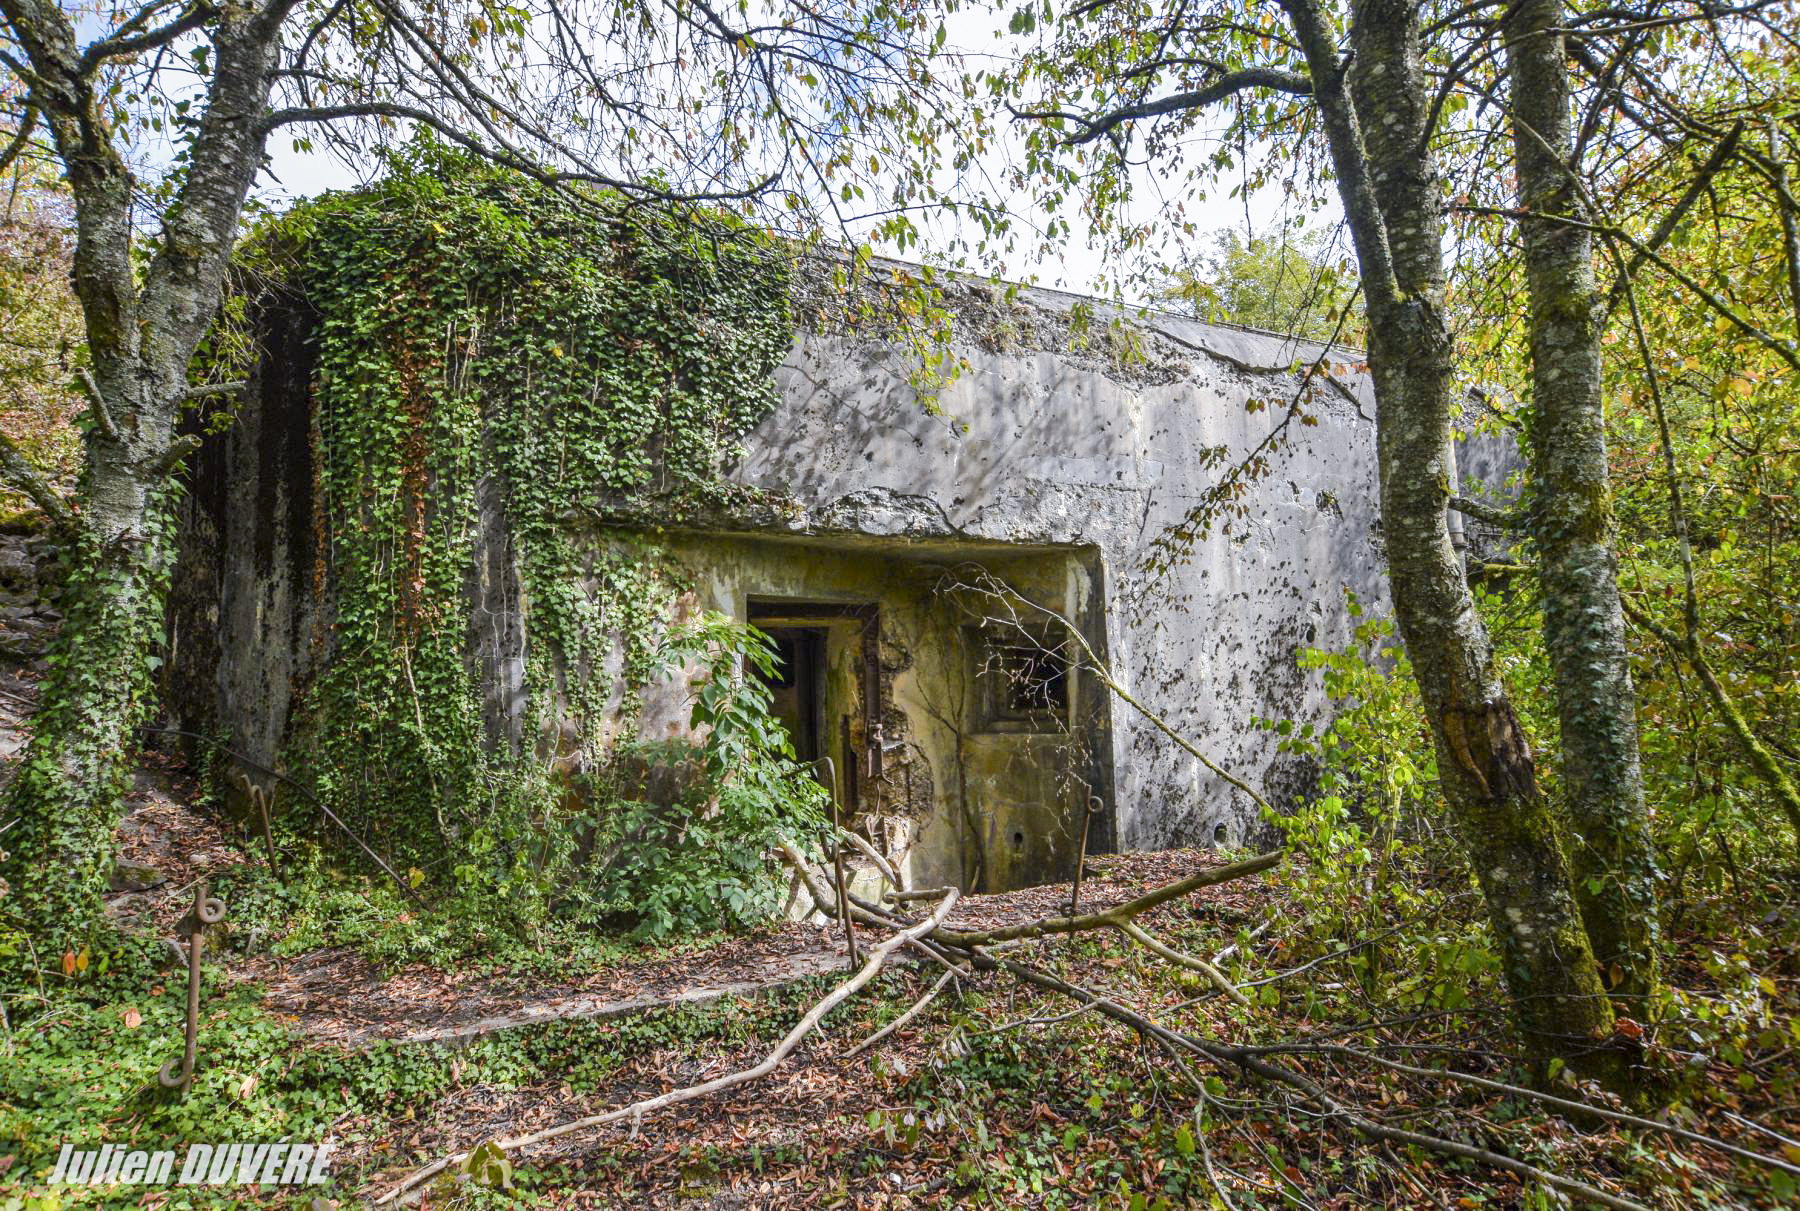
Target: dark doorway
x=828, y=687
x=795, y=685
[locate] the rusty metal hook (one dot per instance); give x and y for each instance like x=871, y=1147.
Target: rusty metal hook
x=260, y=800
x=837, y=861
x=208, y=910
x=1094, y=808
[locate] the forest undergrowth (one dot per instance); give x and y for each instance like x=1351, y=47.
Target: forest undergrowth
x=1361, y=961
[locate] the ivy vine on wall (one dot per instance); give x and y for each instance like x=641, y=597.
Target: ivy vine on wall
x=495, y=357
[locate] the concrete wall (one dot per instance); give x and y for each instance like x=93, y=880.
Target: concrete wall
x=950, y=796
x=1035, y=447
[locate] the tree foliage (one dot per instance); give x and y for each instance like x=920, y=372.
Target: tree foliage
x=41, y=339
x=1418, y=117
x=161, y=116
x=1694, y=213
x=1298, y=287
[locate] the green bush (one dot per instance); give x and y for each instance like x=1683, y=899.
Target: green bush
x=703, y=860
x=684, y=863
x=1372, y=883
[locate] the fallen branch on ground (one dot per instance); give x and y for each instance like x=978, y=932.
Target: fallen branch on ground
x=1247, y=1060
x=1576, y=1108
x=874, y=855
x=919, y=1006
x=878, y=956
x=1111, y=917
x=953, y=945
x=1136, y=933
x=998, y=950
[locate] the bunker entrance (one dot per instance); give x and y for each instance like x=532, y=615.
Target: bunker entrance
x=826, y=687
x=795, y=685
x=936, y=690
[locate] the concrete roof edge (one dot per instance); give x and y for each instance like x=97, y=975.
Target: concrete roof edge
x=1129, y=311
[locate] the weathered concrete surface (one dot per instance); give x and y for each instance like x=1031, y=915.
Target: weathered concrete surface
x=949, y=797
x=1061, y=460
x=249, y=615
x=1035, y=448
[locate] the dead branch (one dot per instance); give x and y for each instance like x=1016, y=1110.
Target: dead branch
x=17, y=470
x=878, y=956
x=1120, y=918
x=963, y=951
x=888, y=871
x=205, y=390
x=1504, y=519
x=103, y=418
x=1575, y=1108
x=1138, y=934
x=1246, y=1059
x=1111, y=917
x=987, y=585
x=1052, y=1020
x=923, y=893
x=172, y=458
x=950, y=945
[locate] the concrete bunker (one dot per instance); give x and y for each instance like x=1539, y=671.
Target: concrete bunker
x=922, y=562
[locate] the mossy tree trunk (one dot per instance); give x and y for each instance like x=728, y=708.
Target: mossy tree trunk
x=67, y=797
x=1374, y=106
x=144, y=321
x=1584, y=625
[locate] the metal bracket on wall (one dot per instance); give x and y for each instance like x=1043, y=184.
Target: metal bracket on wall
x=871, y=654
x=852, y=767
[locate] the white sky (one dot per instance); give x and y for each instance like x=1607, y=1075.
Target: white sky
x=293, y=175
x=296, y=174
x=1080, y=267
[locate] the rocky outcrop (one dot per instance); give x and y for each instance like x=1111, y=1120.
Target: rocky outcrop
x=29, y=576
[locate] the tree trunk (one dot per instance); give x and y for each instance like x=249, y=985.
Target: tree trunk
x=1584, y=627
x=1393, y=202
x=69, y=786
x=143, y=325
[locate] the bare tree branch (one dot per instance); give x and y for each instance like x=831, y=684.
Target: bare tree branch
x=21, y=138
x=19, y=472
x=1505, y=519
x=103, y=417
x=1702, y=179
x=124, y=44
x=878, y=957
x=1228, y=85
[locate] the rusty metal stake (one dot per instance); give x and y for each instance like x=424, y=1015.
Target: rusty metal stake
x=1094, y=807
x=405, y=887
x=259, y=799
x=837, y=859
x=208, y=910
